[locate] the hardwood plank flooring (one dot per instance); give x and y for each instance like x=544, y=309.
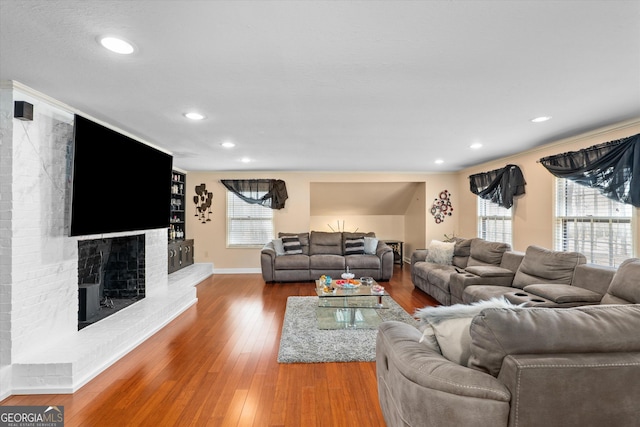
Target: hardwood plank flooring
x=216, y=365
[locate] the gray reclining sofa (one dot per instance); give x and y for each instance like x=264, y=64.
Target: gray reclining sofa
x=326, y=253
x=529, y=366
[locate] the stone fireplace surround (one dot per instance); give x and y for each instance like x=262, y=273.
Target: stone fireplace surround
x=109, y=271
x=41, y=349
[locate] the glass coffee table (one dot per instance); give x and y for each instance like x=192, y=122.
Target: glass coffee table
x=349, y=308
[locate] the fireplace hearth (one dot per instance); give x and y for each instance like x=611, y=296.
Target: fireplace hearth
x=111, y=276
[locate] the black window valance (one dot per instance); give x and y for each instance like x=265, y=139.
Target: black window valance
x=612, y=167
x=270, y=193
x=499, y=185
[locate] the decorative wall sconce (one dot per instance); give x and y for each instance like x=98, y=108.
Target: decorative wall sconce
x=203, y=200
x=441, y=207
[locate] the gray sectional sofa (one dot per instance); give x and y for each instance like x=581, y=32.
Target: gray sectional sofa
x=528, y=366
x=470, y=256
x=326, y=253
x=537, y=278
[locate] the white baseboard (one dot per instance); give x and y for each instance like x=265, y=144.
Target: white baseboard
x=237, y=271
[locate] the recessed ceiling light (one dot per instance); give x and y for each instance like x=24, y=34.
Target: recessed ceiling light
x=194, y=116
x=475, y=146
x=245, y=160
x=117, y=45
x=439, y=161
x=541, y=119
x=228, y=144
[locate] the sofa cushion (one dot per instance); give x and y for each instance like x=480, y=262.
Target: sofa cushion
x=354, y=246
x=440, y=276
x=475, y=293
x=278, y=246
x=498, y=332
x=327, y=262
x=596, y=278
x=489, y=271
x=541, y=265
x=625, y=285
x=353, y=236
x=563, y=294
x=484, y=253
x=324, y=243
x=461, y=252
x=370, y=245
x=291, y=245
x=450, y=326
x=359, y=262
x=304, y=240
x=292, y=262
x=440, y=252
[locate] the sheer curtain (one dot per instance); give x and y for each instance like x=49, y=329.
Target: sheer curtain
x=499, y=185
x=270, y=193
x=612, y=167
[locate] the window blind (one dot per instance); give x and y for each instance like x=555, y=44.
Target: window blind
x=592, y=224
x=247, y=224
x=494, y=222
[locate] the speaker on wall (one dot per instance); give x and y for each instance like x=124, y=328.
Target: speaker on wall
x=22, y=110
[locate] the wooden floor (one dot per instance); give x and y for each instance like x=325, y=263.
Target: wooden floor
x=215, y=365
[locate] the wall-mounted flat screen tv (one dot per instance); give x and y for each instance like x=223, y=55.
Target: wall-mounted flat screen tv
x=118, y=183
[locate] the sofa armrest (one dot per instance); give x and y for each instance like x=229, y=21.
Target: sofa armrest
x=417, y=386
x=458, y=282
x=387, y=260
x=579, y=380
x=563, y=294
x=382, y=248
x=419, y=255
x=267, y=262
x=398, y=343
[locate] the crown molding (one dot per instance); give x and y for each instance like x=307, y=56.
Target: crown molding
x=15, y=85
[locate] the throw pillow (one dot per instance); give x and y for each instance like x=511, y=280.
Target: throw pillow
x=440, y=252
x=278, y=246
x=450, y=325
x=291, y=245
x=370, y=245
x=354, y=246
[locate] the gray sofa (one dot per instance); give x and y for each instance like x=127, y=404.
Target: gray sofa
x=475, y=256
x=529, y=366
x=537, y=278
x=325, y=253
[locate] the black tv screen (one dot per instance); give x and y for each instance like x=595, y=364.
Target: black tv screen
x=118, y=183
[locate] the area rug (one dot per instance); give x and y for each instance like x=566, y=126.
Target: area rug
x=303, y=342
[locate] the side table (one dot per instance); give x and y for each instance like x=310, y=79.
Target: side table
x=398, y=250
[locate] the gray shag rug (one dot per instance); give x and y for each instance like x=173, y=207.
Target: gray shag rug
x=303, y=342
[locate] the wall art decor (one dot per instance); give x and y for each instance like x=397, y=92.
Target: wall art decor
x=203, y=200
x=441, y=207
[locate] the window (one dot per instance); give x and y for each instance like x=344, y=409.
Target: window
x=590, y=223
x=494, y=222
x=248, y=225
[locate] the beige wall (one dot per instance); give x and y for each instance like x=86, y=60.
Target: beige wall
x=210, y=237
x=385, y=226
x=534, y=211
x=533, y=214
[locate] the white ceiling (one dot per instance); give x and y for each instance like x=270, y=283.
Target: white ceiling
x=334, y=85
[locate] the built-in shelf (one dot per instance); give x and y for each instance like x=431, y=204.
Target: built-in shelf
x=180, y=251
x=177, y=229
